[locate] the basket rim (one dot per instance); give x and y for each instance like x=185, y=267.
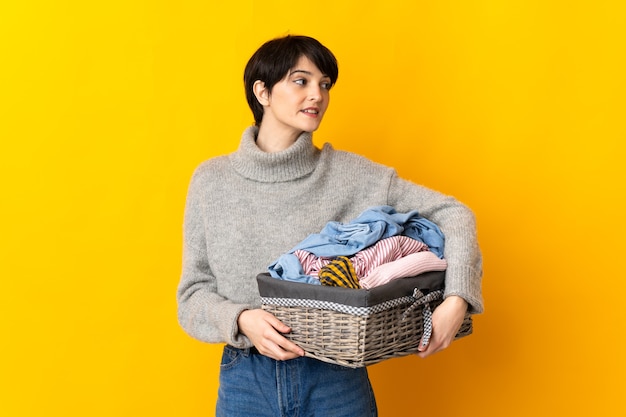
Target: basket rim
x=270, y=287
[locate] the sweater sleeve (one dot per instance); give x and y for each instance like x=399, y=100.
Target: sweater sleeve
x=458, y=224
x=202, y=312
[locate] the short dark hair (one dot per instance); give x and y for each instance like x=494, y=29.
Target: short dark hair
x=273, y=60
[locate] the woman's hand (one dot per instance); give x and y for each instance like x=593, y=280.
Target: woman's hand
x=264, y=331
x=447, y=320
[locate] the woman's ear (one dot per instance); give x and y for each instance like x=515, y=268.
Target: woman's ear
x=261, y=93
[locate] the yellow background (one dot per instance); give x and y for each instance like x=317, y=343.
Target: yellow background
x=515, y=107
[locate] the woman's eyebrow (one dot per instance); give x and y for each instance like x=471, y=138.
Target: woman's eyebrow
x=306, y=72
x=296, y=71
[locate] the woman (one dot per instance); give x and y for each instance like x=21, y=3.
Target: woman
x=247, y=208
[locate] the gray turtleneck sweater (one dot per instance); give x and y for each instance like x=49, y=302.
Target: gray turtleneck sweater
x=247, y=208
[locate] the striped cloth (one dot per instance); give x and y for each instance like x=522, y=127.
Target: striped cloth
x=408, y=266
x=384, y=251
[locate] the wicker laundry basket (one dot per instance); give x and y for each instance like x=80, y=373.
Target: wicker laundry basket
x=357, y=327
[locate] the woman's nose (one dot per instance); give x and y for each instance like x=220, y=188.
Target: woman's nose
x=315, y=93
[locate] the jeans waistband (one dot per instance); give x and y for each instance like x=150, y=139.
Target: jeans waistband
x=245, y=351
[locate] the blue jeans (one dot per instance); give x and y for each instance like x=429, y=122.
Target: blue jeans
x=254, y=385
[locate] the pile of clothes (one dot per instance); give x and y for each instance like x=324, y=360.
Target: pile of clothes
x=378, y=246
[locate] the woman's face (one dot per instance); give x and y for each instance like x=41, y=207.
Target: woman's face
x=298, y=102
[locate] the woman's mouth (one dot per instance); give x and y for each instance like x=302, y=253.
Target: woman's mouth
x=311, y=111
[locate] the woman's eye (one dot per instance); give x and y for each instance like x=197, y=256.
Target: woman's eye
x=300, y=81
x=326, y=86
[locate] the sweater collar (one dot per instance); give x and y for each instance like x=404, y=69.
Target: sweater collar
x=292, y=163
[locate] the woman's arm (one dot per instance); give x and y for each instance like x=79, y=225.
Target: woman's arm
x=462, y=291
x=202, y=312
x=458, y=224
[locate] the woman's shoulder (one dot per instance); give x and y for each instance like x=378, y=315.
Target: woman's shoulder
x=352, y=159
x=211, y=165
x=210, y=168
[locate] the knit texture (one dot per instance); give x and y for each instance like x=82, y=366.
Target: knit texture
x=247, y=208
